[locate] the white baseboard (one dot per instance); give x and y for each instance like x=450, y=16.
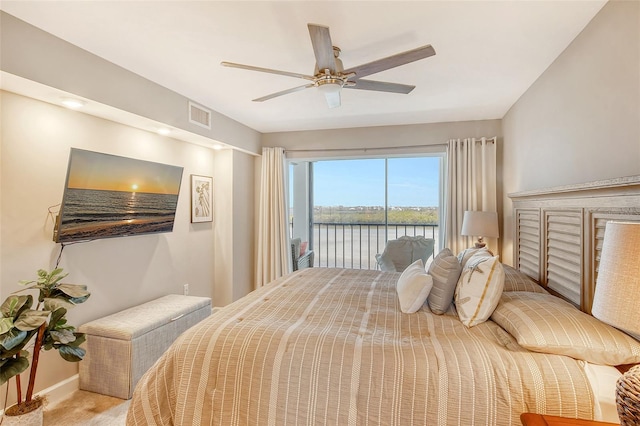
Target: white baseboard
x=61, y=390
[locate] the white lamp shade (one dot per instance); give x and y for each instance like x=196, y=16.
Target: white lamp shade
x=617, y=297
x=480, y=224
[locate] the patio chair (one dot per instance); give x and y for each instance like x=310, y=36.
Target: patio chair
x=299, y=261
x=400, y=253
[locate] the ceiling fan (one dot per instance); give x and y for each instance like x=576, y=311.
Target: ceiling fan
x=330, y=76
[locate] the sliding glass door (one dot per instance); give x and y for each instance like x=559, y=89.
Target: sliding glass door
x=348, y=212
x=413, y=196
x=356, y=205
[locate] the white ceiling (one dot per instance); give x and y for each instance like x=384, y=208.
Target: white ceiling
x=487, y=52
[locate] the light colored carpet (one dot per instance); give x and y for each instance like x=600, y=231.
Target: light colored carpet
x=87, y=408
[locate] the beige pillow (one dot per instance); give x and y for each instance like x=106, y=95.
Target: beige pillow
x=516, y=280
x=445, y=271
x=479, y=289
x=465, y=255
x=544, y=323
x=413, y=287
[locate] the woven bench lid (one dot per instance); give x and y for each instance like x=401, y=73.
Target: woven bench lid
x=138, y=320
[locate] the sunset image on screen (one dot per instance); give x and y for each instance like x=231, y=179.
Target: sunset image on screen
x=90, y=170
x=108, y=195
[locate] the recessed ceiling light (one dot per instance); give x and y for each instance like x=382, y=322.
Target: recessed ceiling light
x=73, y=103
x=164, y=131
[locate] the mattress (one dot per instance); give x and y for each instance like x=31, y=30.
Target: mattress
x=602, y=379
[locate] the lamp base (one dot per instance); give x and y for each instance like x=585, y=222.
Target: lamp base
x=480, y=245
x=628, y=397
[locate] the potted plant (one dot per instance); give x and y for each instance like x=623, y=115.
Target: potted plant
x=20, y=323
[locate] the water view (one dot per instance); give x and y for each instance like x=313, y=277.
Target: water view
x=89, y=214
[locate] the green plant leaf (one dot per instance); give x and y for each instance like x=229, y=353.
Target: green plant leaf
x=12, y=367
x=12, y=339
x=53, y=304
x=6, y=324
x=63, y=336
x=57, y=319
x=76, y=293
x=71, y=354
x=80, y=339
x=56, y=275
x=13, y=305
x=50, y=278
x=31, y=319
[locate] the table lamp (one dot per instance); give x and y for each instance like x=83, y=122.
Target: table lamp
x=617, y=302
x=480, y=224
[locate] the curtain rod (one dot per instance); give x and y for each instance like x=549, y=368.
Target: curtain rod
x=377, y=148
x=491, y=140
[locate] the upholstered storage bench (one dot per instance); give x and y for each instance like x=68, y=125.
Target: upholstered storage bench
x=121, y=347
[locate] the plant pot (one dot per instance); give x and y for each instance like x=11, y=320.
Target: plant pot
x=31, y=414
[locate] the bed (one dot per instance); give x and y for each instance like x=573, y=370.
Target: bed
x=332, y=346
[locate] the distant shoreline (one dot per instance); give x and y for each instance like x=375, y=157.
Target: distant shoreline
x=125, y=191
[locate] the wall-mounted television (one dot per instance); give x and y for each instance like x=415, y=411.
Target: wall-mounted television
x=111, y=196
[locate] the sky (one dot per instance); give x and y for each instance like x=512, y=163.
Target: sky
x=94, y=170
x=413, y=182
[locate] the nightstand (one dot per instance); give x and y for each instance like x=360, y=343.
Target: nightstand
x=530, y=419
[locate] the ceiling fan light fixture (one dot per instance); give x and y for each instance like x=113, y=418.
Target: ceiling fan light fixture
x=330, y=88
x=330, y=85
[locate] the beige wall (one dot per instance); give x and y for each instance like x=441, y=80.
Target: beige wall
x=120, y=272
x=244, y=231
x=236, y=209
x=580, y=121
x=319, y=143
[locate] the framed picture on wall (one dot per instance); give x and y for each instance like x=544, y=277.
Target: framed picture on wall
x=201, y=199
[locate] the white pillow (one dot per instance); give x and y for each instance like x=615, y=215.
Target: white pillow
x=413, y=287
x=479, y=289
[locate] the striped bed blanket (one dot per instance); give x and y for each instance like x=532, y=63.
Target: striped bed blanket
x=331, y=347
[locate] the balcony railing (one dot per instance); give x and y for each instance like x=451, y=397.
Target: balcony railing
x=354, y=245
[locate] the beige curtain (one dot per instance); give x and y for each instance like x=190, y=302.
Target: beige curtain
x=273, y=240
x=471, y=185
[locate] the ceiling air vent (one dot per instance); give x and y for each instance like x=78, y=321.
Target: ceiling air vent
x=199, y=115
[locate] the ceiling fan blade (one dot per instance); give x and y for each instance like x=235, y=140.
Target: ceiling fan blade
x=333, y=99
x=322, y=47
x=392, y=61
x=381, y=86
x=269, y=70
x=283, y=92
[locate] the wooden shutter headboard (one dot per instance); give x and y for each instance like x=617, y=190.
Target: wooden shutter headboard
x=559, y=231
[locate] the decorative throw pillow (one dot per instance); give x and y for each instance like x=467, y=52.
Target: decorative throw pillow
x=303, y=247
x=413, y=287
x=466, y=254
x=445, y=271
x=545, y=323
x=479, y=289
x=385, y=263
x=400, y=253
